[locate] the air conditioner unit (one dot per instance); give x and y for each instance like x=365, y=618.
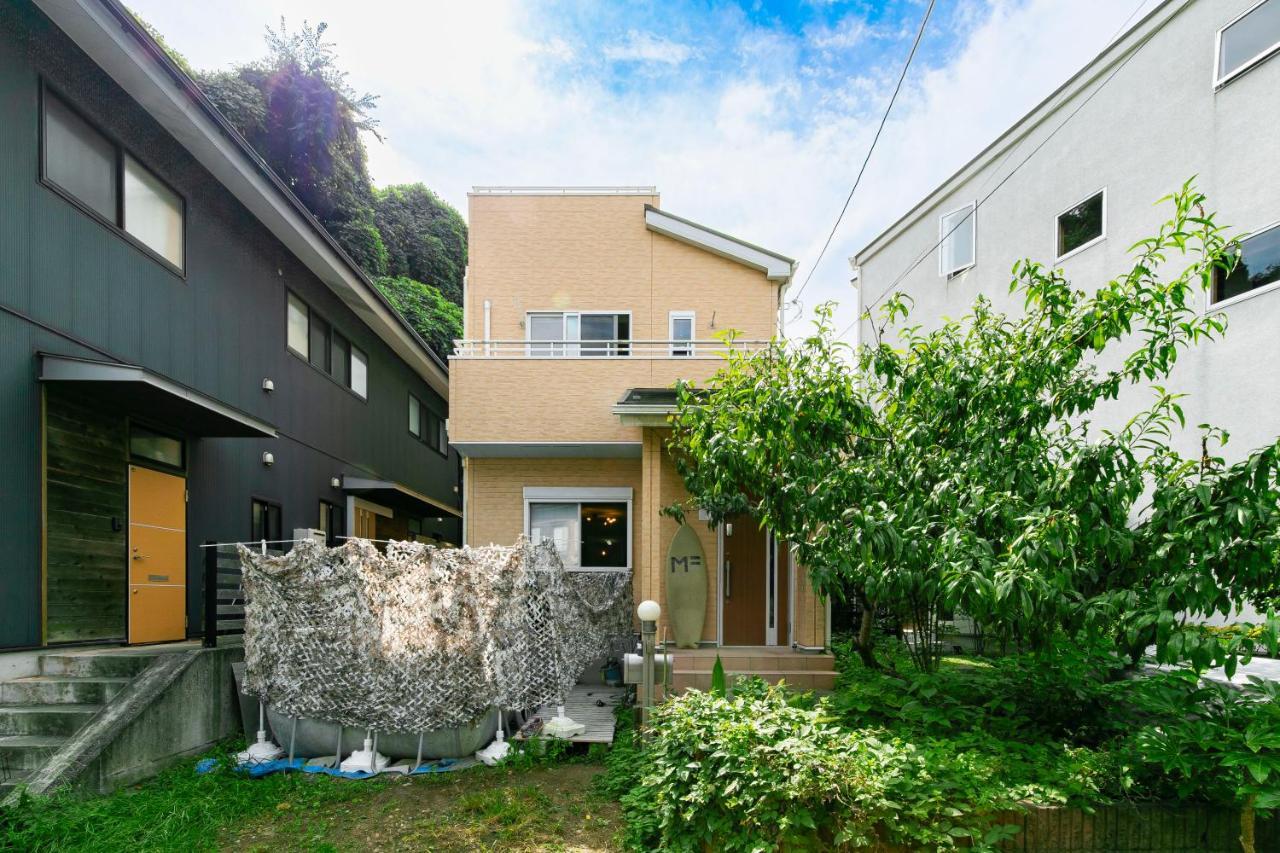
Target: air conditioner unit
x=302, y=533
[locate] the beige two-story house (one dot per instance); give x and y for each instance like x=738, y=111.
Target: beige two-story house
x=583, y=307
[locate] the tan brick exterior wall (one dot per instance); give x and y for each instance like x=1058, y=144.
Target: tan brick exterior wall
x=583, y=253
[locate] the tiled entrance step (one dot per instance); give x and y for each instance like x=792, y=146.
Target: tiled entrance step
x=802, y=670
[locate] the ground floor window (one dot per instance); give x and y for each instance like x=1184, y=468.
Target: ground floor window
x=332, y=522
x=266, y=521
x=591, y=529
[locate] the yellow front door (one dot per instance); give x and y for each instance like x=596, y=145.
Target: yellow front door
x=366, y=523
x=157, y=556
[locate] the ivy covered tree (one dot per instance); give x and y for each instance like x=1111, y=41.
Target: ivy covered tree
x=426, y=238
x=959, y=468
x=437, y=320
x=297, y=110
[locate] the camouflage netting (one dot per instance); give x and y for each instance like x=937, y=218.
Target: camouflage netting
x=422, y=638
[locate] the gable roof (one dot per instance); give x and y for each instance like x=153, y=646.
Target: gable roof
x=776, y=267
x=113, y=39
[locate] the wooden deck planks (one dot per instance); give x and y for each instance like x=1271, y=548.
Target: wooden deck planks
x=582, y=708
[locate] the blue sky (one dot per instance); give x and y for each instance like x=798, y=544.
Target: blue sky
x=752, y=117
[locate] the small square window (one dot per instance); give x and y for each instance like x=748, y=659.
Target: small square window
x=1257, y=267
x=1082, y=225
x=957, y=249
x=681, y=329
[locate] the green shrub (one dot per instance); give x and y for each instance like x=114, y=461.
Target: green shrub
x=756, y=772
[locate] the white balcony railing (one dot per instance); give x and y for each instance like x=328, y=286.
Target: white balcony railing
x=634, y=349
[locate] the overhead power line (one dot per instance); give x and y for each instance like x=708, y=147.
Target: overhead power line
x=883, y=119
x=893, y=286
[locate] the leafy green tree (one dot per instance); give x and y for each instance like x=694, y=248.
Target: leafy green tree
x=426, y=238
x=436, y=320
x=959, y=468
x=297, y=110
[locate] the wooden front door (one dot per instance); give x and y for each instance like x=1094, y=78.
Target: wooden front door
x=157, y=556
x=742, y=587
x=366, y=524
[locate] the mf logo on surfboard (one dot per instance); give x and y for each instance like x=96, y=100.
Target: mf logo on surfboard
x=692, y=561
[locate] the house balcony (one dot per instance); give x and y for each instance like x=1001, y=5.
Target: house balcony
x=521, y=392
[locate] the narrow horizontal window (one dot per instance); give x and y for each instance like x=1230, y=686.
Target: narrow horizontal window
x=957, y=240
x=1257, y=265
x=156, y=447
x=1083, y=224
x=1248, y=40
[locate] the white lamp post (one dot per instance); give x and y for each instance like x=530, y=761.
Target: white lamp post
x=648, y=611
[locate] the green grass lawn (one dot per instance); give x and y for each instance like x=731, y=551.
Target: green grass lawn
x=539, y=808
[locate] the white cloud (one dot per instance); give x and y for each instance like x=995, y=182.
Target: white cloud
x=764, y=149
x=646, y=47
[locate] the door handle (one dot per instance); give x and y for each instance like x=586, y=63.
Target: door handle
x=728, y=579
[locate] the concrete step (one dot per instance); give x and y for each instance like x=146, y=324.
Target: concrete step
x=27, y=752
x=63, y=720
x=805, y=679
x=11, y=780
x=745, y=662
x=60, y=690
x=84, y=664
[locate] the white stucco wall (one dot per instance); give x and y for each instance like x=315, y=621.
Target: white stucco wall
x=1157, y=123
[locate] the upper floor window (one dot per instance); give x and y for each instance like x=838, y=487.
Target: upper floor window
x=310, y=336
x=1258, y=266
x=957, y=247
x=428, y=427
x=1247, y=41
x=681, y=330
x=556, y=334
x=103, y=179
x=1082, y=225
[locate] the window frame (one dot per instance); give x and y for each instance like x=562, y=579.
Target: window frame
x=121, y=151
x=1057, y=231
x=572, y=347
x=1213, y=304
x=675, y=350
x=1220, y=80
x=337, y=513
x=942, y=238
x=268, y=503
x=147, y=461
x=586, y=495
x=305, y=358
x=436, y=438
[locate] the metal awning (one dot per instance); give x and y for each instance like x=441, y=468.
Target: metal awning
x=135, y=389
x=649, y=406
x=396, y=496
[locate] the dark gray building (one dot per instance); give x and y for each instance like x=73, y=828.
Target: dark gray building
x=185, y=355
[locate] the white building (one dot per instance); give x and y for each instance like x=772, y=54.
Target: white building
x=1191, y=89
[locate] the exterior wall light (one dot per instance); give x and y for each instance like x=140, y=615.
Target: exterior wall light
x=335, y=483
x=268, y=458
x=268, y=385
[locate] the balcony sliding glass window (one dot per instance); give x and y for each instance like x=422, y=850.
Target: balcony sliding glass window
x=573, y=334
